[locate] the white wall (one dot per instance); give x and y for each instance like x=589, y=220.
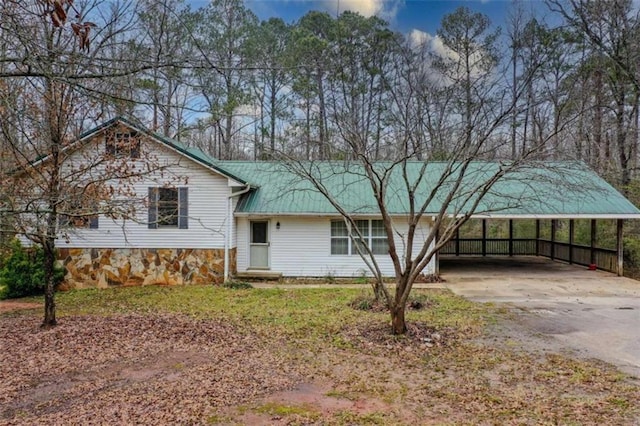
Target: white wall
x=208, y=192
x=302, y=247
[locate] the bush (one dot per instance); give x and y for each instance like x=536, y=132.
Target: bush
x=22, y=272
x=366, y=302
x=237, y=285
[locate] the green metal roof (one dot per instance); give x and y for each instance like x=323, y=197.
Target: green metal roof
x=541, y=189
x=549, y=189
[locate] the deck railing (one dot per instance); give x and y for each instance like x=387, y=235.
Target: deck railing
x=605, y=259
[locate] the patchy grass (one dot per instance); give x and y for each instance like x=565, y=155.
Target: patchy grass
x=443, y=371
x=237, y=285
x=302, y=313
x=305, y=411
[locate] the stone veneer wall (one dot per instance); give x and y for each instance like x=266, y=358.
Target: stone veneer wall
x=103, y=268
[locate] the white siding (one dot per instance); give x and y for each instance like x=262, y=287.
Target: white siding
x=302, y=247
x=208, y=197
x=242, y=243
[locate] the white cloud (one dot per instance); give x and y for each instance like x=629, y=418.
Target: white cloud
x=363, y=7
x=383, y=8
x=432, y=44
x=429, y=46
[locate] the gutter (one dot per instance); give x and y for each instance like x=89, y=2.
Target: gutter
x=227, y=236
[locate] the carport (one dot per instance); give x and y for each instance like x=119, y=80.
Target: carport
x=565, y=209
x=545, y=243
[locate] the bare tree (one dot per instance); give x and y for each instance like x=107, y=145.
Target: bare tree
x=268, y=47
x=166, y=29
x=55, y=74
x=611, y=29
x=222, y=33
x=421, y=202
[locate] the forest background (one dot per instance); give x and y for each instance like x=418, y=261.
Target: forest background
x=217, y=78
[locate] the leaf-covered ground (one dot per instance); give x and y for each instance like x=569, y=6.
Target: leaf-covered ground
x=206, y=355
x=152, y=369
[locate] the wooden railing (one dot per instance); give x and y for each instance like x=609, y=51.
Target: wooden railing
x=490, y=247
x=605, y=259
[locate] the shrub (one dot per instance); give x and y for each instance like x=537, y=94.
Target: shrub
x=366, y=302
x=237, y=285
x=22, y=272
x=4, y=256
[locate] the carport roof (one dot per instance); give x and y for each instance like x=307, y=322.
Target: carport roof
x=538, y=190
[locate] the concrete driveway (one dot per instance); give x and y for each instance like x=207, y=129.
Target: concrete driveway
x=595, y=313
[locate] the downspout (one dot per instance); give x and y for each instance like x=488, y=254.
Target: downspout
x=227, y=236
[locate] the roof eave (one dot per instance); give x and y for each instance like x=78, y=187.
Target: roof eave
x=559, y=216
x=623, y=216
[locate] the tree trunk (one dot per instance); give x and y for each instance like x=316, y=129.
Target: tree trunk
x=53, y=99
x=49, y=291
x=323, y=147
x=514, y=101
x=398, y=324
x=621, y=141
x=272, y=135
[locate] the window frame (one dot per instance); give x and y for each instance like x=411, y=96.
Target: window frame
x=123, y=145
x=367, y=236
x=66, y=221
x=182, y=208
x=78, y=201
x=344, y=237
x=168, y=207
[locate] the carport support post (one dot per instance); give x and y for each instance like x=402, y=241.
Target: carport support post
x=619, y=247
x=484, y=237
x=593, y=241
x=510, y=237
x=571, y=232
x=553, y=239
x=537, y=237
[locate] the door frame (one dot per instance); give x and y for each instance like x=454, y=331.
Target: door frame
x=267, y=244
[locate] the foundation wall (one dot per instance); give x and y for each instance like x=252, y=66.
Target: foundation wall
x=102, y=268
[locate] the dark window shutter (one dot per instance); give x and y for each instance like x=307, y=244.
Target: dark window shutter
x=183, y=206
x=93, y=222
x=153, y=208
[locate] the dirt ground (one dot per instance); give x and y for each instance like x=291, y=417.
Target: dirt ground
x=173, y=369
x=159, y=368
x=154, y=369
x=162, y=369
x=12, y=305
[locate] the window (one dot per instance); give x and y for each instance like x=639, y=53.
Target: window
x=379, y=243
x=78, y=221
x=373, y=236
x=78, y=209
x=123, y=144
x=339, y=237
x=168, y=208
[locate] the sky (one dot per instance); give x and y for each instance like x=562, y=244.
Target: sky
x=403, y=15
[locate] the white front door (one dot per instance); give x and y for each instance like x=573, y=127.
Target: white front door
x=259, y=245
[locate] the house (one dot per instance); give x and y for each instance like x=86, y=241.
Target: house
x=201, y=220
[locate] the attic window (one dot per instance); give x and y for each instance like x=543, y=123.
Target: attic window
x=123, y=144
